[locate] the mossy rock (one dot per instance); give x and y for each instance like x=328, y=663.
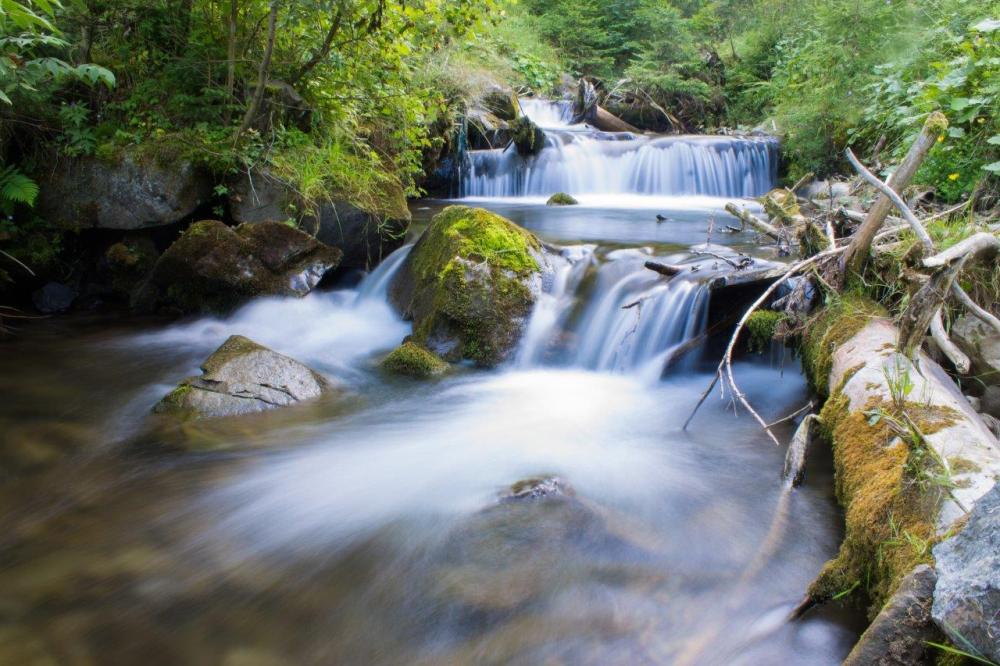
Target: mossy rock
x=213, y=268
x=529, y=139
x=561, y=199
x=412, y=360
x=469, y=285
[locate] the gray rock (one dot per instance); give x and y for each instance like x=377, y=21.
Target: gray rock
x=982, y=345
x=53, y=297
x=242, y=377
x=967, y=596
x=898, y=634
x=132, y=193
x=364, y=237
x=989, y=402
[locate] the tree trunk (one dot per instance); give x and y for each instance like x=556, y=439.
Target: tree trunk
x=857, y=253
x=231, y=58
x=262, y=72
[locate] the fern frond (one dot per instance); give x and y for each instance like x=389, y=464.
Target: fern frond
x=15, y=187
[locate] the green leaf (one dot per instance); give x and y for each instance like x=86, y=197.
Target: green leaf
x=994, y=140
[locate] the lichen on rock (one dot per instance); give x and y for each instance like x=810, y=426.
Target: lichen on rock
x=412, y=360
x=469, y=285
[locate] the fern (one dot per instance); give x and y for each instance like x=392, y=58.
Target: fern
x=16, y=188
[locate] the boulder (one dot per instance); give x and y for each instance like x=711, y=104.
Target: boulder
x=365, y=237
x=967, y=596
x=242, y=377
x=469, y=285
x=132, y=192
x=412, y=360
x=215, y=268
x=989, y=402
x=981, y=344
x=486, y=130
x=128, y=262
x=529, y=139
x=561, y=199
x=500, y=102
x=899, y=634
x=53, y=297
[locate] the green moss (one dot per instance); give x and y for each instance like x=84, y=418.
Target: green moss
x=561, y=199
x=761, y=325
x=412, y=360
x=832, y=326
x=529, y=139
x=470, y=270
x=889, y=518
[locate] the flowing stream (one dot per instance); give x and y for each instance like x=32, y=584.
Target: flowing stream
x=366, y=528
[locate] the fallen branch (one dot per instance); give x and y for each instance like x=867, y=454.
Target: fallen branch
x=794, y=470
x=948, y=348
x=748, y=218
x=965, y=249
x=923, y=307
x=974, y=307
x=664, y=269
x=857, y=254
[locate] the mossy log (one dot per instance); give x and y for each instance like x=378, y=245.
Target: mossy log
x=899, y=486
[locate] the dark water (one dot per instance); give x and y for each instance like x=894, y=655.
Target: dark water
x=366, y=528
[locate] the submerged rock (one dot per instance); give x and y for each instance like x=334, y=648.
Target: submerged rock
x=967, y=595
x=469, y=285
x=53, y=297
x=561, y=199
x=412, y=360
x=242, y=377
x=215, y=268
x=131, y=192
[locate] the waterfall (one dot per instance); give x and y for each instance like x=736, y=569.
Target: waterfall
x=579, y=160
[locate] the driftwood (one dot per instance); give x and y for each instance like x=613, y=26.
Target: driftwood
x=664, y=269
x=795, y=457
x=748, y=218
x=973, y=246
x=947, y=347
x=857, y=255
x=923, y=307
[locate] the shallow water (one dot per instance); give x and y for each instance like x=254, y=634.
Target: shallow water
x=368, y=528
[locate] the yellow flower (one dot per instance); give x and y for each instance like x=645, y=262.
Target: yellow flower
x=952, y=176
x=981, y=120
x=941, y=138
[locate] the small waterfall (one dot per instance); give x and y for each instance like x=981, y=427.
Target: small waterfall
x=375, y=286
x=580, y=160
x=592, y=163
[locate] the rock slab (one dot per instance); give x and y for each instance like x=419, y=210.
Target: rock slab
x=967, y=595
x=243, y=377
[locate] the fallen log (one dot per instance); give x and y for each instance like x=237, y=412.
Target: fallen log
x=606, y=121
x=748, y=218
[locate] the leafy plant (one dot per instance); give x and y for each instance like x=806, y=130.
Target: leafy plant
x=15, y=189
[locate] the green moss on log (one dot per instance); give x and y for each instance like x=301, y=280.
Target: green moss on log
x=761, y=326
x=412, y=360
x=835, y=324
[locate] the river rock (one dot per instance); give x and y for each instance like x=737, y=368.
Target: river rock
x=561, y=199
x=215, y=268
x=53, y=297
x=365, y=237
x=529, y=139
x=242, y=377
x=967, y=596
x=412, y=360
x=132, y=192
x=469, y=285
x=899, y=633
x=981, y=343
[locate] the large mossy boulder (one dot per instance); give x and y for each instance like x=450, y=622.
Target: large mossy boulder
x=365, y=233
x=131, y=191
x=215, y=268
x=242, y=377
x=529, y=139
x=561, y=199
x=469, y=285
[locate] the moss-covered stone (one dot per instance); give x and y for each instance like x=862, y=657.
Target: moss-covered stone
x=529, y=139
x=215, y=268
x=832, y=326
x=469, y=284
x=761, y=326
x=412, y=360
x=561, y=199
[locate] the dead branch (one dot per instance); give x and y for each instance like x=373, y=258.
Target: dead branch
x=968, y=248
x=923, y=307
x=748, y=218
x=795, y=458
x=974, y=308
x=668, y=270
x=857, y=255
x=948, y=348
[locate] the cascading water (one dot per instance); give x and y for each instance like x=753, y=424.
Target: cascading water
x=582, y=161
